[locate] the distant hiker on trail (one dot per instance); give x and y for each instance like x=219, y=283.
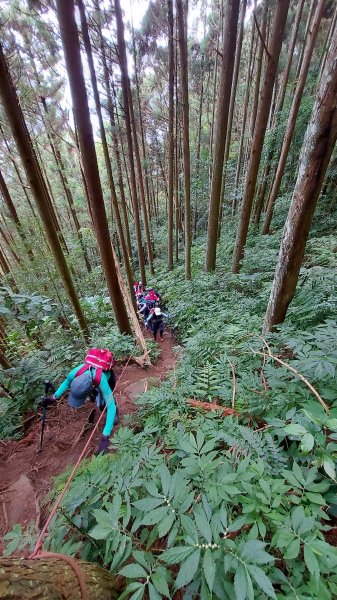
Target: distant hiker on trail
x=137, y=287
x=155, y=320
x=152, y=296
x=95, y=379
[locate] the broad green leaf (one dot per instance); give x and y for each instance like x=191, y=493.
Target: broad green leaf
x=209, y=568
x=153, y=593
x=202, y=523
x=165, y=524
x=294, y=429
x=307, y=442
x=148, y=503
x=254, y=551
x=176, y=554
x=332, y=424
x=133, y=571
x=262, y=580
x=329, y=467
x=240, y=583
x=154, y=516
x=165, y=479
x=188, y=569
x=160, y=582
x=293, y=549
x=311, y=561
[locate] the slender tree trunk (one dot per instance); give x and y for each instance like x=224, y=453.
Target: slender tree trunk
x=20, y=133
x=234, y=88
x=141, y=183
x=186, y=134
x=331, y=33
x=107, y=161
x=111, y=112
x=223, y=103
x=259, y=61
x=125, y=88
x=280, y=19
x=307, y=27
x=72, y=53
x=319, y=142
x=214, y=87
x=244, y=118
x=170, y=138
x=310, y=43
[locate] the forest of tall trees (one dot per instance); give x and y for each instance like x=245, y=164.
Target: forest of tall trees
x=189, y=145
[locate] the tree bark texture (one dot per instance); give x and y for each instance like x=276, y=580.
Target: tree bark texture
x=310, y=43
x=319, y=142
x=38, y=187
x=126, y=101
x=259, y=61
x=170, y=138
x=107, y=161
x=71, y=47
x=244, y=116
x=226, y=76
x=182, y=40
x=279, y=24
x=53, y=579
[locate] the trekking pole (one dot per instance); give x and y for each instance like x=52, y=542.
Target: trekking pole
x=47, y=386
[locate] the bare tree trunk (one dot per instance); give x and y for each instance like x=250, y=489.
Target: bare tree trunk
x=244, y=117
x=279, y=24
x=72, y=53
x=310, y=43
x=214, y=87
x=54, y=578
x=283, y=88
x=328, y=39
x=111, y=112
x=226, y=76
x=170, y=138
x=125, y=89
x=182, y=40
x=107, y=161
x=141, y=183
x=307, y=27
x=20, y=133
x=319, y=142
x=259, y=60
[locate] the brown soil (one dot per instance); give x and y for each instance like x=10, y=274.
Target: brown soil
x=26, y=474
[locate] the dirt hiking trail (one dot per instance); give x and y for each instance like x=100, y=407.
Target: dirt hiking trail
x=26, y=476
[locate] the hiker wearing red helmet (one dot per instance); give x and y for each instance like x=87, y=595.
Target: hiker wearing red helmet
x=96, y=379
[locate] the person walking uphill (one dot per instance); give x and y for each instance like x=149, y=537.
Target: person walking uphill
x=94, y=378
x=155, y=320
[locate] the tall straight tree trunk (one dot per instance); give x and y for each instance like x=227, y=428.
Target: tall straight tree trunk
x=234, y=88
x=310, y=43
x=125, y=90
x=331, y=33
x=20, y=133
x=87, y=46
x=259, y=62
x=214, y=88
x=182, y=40
x=279, y=24
x=111, y=112
x=319, y=142
x=72, y=54
x=226, y=76
x=292, y=44
x=244, y=117
x=307, y=27
x=141, y=182
x=170, y=138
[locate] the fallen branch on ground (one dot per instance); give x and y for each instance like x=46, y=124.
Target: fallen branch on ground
x=211, y=406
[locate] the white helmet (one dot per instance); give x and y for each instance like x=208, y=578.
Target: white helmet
x=157, y=311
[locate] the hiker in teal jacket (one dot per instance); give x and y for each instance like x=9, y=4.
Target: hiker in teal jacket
x=104, y=396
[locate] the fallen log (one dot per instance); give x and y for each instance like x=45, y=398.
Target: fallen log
x=55, y=579
x=211, y=406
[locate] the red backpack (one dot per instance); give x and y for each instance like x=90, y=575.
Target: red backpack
x=101, y=360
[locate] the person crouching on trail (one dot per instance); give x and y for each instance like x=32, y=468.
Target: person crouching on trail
x=155, y=320
x=95, y=379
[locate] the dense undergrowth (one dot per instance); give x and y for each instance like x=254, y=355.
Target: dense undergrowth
x=233, y=507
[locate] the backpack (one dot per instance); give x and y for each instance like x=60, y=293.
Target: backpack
x=101, y=360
